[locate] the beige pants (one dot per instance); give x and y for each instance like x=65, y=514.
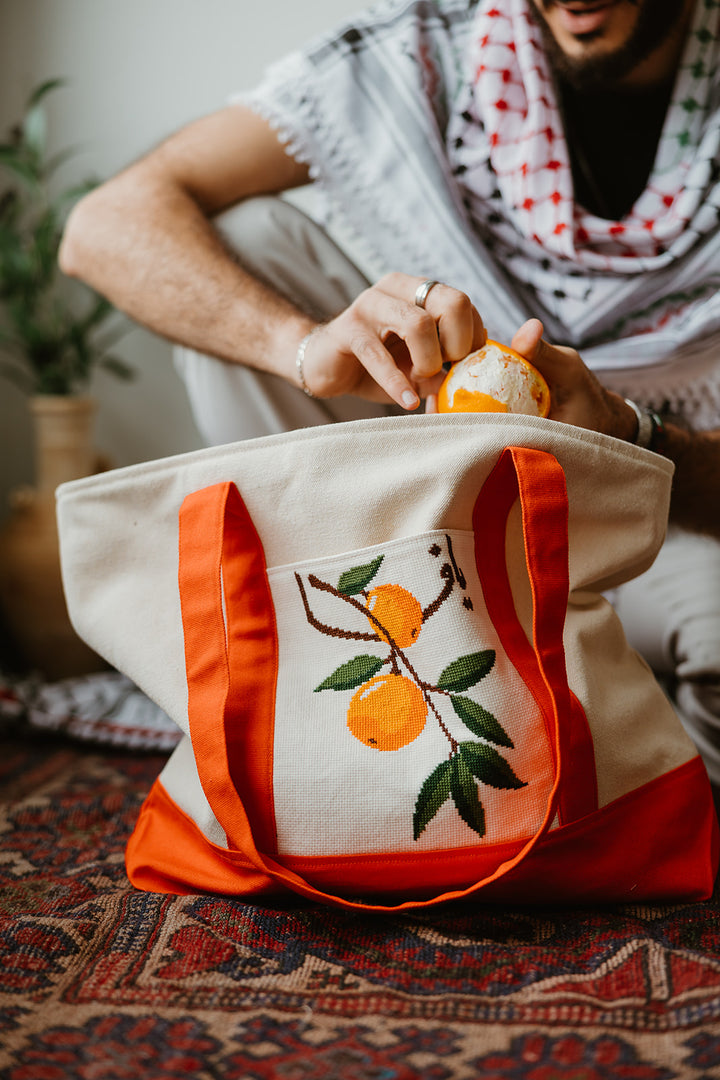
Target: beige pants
x=671, y=613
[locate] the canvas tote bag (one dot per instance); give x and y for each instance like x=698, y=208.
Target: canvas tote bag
x=398, y=679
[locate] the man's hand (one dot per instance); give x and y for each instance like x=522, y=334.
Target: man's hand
x=385, y=348
x=577, y=397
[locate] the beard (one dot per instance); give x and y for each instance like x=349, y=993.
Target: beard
x=656, y=22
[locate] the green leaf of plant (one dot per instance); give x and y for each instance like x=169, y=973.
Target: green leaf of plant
x=465, y=796
x=9, y=210
x=464, y=672
x=10, y=159
x=42, y=89
x=53, y=163
x=480, y=721
x=354, y=580
x=488, y=766
x=436, y=789
x=34, y=131
x=99, y=311
x=46, y=241
x=351, y=674
x=117, y=367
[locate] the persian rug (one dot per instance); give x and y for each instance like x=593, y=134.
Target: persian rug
x=101, y=982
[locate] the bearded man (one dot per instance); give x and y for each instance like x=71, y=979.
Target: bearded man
x=552, y=165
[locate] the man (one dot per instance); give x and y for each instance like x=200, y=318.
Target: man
x=551, y=158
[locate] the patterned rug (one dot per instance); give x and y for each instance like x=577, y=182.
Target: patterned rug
x=100, y=982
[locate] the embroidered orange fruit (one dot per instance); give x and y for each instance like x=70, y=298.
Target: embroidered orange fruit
x=494, y=379
x=387, y=712
x=398, y=611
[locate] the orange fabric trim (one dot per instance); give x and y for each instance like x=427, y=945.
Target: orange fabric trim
x=231, y=661
x=168, y=853
x=540, y=482
x=675, y=858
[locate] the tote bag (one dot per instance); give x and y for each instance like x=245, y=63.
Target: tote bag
x=398, y=679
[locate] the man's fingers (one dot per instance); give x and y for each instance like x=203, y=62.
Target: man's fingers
x=479, y=332
x=460, y=329
x=458, y=326
x=387, y=317
x=381, y=367
x=386, y=344
x=528, y=339
x=560, y=365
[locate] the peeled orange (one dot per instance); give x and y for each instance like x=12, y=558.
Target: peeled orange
x=494, y=379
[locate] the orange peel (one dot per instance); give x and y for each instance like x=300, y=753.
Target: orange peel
x=494, y=379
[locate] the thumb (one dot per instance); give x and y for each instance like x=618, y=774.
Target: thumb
x=577, y=397
x=559, y=364
x=528, y=339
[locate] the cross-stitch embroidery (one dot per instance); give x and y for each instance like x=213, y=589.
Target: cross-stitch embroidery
x=389, y=709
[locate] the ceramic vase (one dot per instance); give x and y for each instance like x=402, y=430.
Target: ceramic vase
x=31, y=593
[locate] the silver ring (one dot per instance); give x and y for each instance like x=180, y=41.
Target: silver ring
x=421, y=293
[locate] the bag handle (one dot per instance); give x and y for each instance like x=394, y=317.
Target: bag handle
x=538, y=479
x=231, y=662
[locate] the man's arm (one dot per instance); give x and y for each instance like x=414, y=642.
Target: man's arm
x=578, y=398
x=145, y=240
x=695, y=502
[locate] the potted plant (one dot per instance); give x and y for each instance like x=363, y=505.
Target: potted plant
x=53, y=334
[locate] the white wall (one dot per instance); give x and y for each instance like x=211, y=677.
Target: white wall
x=136, y=70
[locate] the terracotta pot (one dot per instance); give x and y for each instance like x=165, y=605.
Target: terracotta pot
x=31, y=593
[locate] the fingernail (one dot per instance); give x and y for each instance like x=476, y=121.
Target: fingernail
x=409, y=399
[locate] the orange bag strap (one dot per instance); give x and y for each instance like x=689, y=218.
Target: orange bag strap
x=547, y=567
x=228, y=620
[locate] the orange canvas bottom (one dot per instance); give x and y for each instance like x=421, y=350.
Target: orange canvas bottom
x=657, y=843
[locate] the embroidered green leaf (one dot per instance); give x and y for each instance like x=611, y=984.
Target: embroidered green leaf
x=467, y=670
x=433, y=793
x=465, y=795
x=480, y=721
x=488, y=766
x=352, y=673
x=354, y=580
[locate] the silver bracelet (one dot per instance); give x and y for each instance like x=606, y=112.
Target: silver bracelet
x=300, y=360
x=646, y=426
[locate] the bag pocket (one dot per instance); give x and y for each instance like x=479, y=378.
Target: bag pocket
x=400, y=723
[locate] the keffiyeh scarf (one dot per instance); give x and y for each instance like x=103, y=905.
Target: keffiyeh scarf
x=509, y=136
x=433, y=127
